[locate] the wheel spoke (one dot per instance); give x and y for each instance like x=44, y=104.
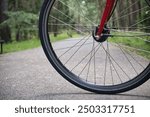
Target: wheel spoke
x=105, y=67
x=140, y=21
x=85, y=57
x=73, y=46
x=77, y=12
x=125, y=46
x=130, y=55
x=76, y=51
x=89, y=62
x=116, y=62
x=126, y=15
x=110, y=63
x=67, y=17
x=67, y=24
x=86, y=44
x=89, y=65
x=128, y=59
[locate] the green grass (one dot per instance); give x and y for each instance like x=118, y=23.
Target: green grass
x=32, y=43
x=135, y=43
x=22, y=45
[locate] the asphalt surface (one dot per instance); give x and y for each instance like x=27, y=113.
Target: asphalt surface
x=27, y=75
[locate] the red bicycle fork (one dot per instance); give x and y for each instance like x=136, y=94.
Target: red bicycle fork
x=105, y=17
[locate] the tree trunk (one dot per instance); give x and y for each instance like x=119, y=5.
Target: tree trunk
x=5, y=33
x=55, y=28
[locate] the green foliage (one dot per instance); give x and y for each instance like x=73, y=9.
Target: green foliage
x=32, y=6
x=20, y=18
x=145, y=16
x=20, y=22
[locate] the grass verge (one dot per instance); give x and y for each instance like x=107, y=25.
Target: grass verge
x=32, y=43
x=22, y=45
x=137, y=44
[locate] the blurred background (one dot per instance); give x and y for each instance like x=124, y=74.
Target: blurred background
x=19, y=24
x=19, y=19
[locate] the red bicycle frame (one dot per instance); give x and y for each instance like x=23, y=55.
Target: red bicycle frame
x=105, y=17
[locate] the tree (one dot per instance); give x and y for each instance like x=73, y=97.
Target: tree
x=5, y=33
x=20, y=22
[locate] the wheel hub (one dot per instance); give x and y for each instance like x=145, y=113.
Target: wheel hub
x=104, y=35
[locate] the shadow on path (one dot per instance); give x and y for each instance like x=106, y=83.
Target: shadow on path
x=88, y=96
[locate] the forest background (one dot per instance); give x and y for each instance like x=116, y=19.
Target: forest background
x=19, y=22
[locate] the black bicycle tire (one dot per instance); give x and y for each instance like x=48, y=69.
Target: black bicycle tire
x=60, y=68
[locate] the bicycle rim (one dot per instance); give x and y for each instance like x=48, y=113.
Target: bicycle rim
x=113, y=66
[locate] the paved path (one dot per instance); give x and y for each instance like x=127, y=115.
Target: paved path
x=28, y=75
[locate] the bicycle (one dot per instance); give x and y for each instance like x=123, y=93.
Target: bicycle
x=100, y=46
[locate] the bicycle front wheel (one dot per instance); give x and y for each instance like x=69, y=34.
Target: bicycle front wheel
x=119, y=63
